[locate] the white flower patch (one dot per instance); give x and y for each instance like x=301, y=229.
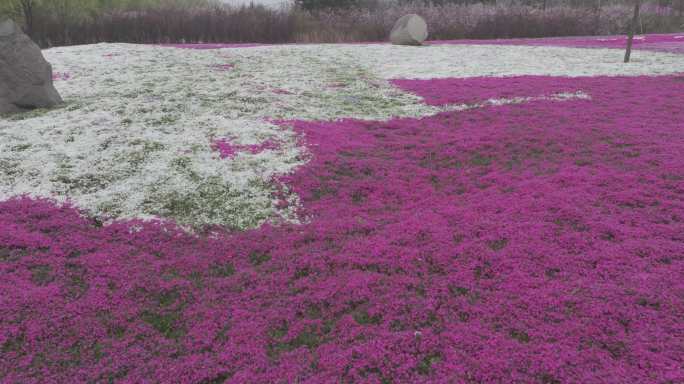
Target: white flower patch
x=461, y=61
x=135, y=137
x=564, y=96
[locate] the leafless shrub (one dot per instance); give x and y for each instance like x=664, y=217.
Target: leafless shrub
x=257, y=24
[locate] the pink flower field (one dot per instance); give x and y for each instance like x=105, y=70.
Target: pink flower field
x=534, y=242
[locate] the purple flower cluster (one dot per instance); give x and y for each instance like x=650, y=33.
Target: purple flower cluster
x=281, y=91
x=56, y=76
x=532, y=243
x=228, y=150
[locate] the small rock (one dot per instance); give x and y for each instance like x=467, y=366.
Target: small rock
x=25, y=76
x=409, y=30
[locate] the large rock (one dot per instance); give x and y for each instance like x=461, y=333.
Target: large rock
x=25, y=76
x=409, y=30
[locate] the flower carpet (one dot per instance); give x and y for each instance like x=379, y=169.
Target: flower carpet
x=346, y=214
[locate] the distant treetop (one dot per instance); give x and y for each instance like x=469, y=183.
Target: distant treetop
x=326, y=4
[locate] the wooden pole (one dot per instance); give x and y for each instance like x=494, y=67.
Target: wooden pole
x=632, y=29
x=598, y=18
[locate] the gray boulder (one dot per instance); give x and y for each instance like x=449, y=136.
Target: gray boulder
x=25, y=76
x=409, y=30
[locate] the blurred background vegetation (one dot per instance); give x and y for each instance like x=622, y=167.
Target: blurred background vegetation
x=68, y=22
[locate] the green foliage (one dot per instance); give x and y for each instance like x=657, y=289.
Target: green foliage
x=22, y=10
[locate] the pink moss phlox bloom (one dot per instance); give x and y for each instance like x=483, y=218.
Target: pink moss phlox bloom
x=228, y=150
x=280, y=91
x=57, y=76
x=673, y=43
x=531, y=243
x=224, y=148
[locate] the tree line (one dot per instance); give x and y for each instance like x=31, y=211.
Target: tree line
x=67, y=22
x=72, y=10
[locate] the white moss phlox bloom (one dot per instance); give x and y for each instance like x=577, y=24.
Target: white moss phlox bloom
x=134, y=139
